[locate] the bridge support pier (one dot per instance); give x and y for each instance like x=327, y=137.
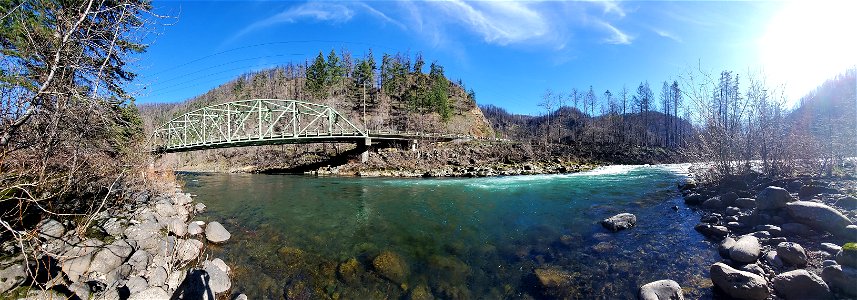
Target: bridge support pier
x=364, y=145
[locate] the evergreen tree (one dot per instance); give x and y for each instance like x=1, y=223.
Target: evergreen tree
x=316, y=77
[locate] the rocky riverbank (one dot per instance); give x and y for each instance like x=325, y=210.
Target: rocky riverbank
x=149, y=249
x=780, y=239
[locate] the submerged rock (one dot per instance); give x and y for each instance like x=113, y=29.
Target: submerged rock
x=392, y=266
x=661, y=290
x=215, y=233
x=553, y=278
x=620, y=222
x=739, y=284
x=746, y=249
x=800, y=284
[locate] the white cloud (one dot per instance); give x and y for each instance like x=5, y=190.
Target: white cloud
x=617, y=37
x=667, y=34
x=612, y=6
x=501, y=23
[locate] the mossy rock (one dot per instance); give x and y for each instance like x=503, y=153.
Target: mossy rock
x=848, y=255
x=421, y=292
x=349, y=270
x=392, y=266
x=849, y=247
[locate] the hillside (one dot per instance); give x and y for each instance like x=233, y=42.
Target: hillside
x=404, y=98
x=400, y=97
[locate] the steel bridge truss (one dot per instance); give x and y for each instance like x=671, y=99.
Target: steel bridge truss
x=255, y=122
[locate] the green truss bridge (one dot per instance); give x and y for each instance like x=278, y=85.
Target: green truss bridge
x=271, y=122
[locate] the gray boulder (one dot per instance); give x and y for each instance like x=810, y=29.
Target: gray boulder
x=156, y=276
x=136, y=284
x=150, y=293
x=694, y=199
x=187, y=250
x=147, y=235
x=139, y=261
x=773, y=259
x=739, y=284
x=818, y=215
x=111, y=257
x=177, y=227
x=79, y=258
x=796, y=229
x=712, y=230
x=849, y=233
x=849, y=203
x=800, y=284
x=713, y=202
x=725, y=246
x=792, y=254
x=51, y=228
x=661, y=290
x=746, y=249
x=619, y=222
x=12, y=274
x=215, y=233
x=848, y=255
x=830, y=248
x=194, y=228
x=218, y=278
x=199, y=208
x=773, y=197
x=841, y=278
x=745, y=203
x=753, y=268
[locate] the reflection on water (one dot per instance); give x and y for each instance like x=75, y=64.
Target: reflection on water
x=296, y=236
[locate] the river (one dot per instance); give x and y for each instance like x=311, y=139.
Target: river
x=480, y=238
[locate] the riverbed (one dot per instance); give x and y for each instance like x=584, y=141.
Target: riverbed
x=321, y=237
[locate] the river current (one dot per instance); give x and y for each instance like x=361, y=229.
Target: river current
x=307, y=237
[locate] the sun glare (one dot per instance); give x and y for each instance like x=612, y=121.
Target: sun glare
x=808, y=42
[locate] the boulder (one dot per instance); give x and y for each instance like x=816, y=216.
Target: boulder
x=812, y=190
x=215, y=233
x=773, y=259
x=772, y=229
x=746, y=249
x=193, y=228
x=792, y=254
x=753, y=268
x=12, y=274
x=710, y=218
x=745, y=203
x=51, y=228
x=729, y=198
x=136, y=284
x=139, y=261
x=156, y=276
x=830, y=248
x=111, y=257
x=712, y=230
x=848, y=255
x=619, y=222
x=661, y=290
x=773, y=197
x=829, y=262
x=818, y=215
x=795, y=186
x=392, y=266
x=694, y=199
x=725, y=246
x=218, y=278
x=150, y=293
x=147, y=235
x=849, y=233
x=800, y=284
x=713, y=202
x=175, y=279
x=164, y=210
x=733, y=211
x=187, y=250
x=841, y=278
x=199, y=208
x=181, y=199
x=849, y=203
x=739, y=284
x=177, y=227
x=796, y=229
x=78, y=259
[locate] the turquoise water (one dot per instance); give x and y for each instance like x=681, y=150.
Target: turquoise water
x=298, y=236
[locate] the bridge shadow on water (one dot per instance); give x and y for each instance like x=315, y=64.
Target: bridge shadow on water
x=332, y=162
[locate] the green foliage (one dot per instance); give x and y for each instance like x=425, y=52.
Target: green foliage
x=316, y=77
x=334, y=70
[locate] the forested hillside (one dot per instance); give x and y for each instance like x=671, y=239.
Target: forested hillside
x=398, y=95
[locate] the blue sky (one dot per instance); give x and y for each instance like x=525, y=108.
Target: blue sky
x=509, y=53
